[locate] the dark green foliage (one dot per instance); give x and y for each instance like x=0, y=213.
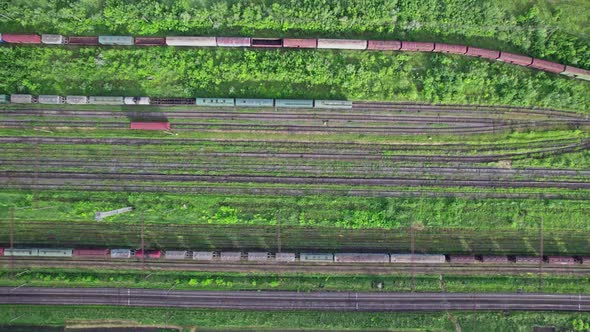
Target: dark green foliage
x=554, y=30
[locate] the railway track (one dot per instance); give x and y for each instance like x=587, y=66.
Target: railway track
x=61, y=177
x=296, y=267
x=281, y=300
x=277, y=190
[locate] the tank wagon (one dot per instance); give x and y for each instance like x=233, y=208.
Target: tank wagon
x=308, y=43
x=288, y=257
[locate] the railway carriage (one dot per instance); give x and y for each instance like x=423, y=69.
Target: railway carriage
x=18, y=38
x=176, y=254
x=230, y=256
x=361, y=258
x=528, y=259
x=137, y=101
x=203, y=255
x=384, y=45
x=294, y=103
x=585, y=260
x=50, y=99
x=216, y=102
x=482, y=53
x=148, y=253
x=549, y=66
x=339, y=104
x=561, y=260
x=417, y=46
x=4, y=99
x=106, y=100
x=233, y=41
x=316, y=257
x=451, y=49
x=21, y=252
x=50, y=252
x=300, y=43
x=116, y=40
x=255, y=256
x=577, y=73
x=342, y=44
x=418, y=258
x=53, y=39
x=462, y=259
x=516, y=59
x=150, y=41
x=285, y=257
x=191, y=41
x=1, y=251
x=76, y=100
x=121, y=253
x=254, y=102
x=494, y=259
x=149, y=125
x=91, y=252
x=267, y=42
x=82, y=40
x=22, y=99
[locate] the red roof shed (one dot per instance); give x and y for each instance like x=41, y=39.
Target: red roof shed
x=150, y=125
x=91, y=252
x=483, y=53
x=549, y=66
x=515, y=58
x=384, y=45
x=300, y=43
x=21, y=38
x=447, y=48
x=150, y=41
x=417, y=46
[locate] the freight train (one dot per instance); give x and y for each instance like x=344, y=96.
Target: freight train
x=308, y=43
x=199, y=101
x=286, y=257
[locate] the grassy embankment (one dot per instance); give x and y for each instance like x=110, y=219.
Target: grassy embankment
x=255, y=320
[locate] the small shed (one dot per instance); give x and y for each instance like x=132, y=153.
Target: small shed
x=300, y=43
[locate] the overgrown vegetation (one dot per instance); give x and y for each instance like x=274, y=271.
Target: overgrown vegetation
x=257, y=320
x=556, y=30
x=317, y=74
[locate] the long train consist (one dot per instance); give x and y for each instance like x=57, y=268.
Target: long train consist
x=308, y=43
x=199, y=101
x=285, y=257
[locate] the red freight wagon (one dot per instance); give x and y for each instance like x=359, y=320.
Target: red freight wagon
x=586, y=260
x=447, y=48
x=79, y=40
x=515, y=59
x=548, y=66
x=148, y=253
x=300, y=43
x=233, y=41
x=150, y=125
x=483, y=53
x=417, y=46
x=21, y=38
x=494, y=259
x=91, y=252
x=384, y=45
x=1, y=251
x=150, y=41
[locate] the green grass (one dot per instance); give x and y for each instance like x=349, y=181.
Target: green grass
x=257, y=320
x=44, y=277
x=317, y=74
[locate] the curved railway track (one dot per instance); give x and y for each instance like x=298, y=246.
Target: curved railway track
x=282, y=300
